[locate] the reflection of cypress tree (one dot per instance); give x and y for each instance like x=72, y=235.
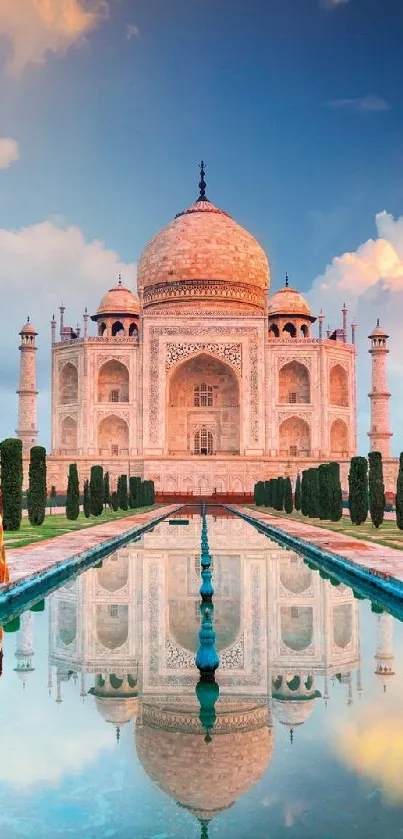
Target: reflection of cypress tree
x=399, y=495
x=376, y=488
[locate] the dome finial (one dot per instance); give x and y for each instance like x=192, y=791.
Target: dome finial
x=286, y=280
x=120, y=279
x=202, y=183
x=377, y=321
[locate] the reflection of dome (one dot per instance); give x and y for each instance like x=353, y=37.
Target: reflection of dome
x=292, y=712
x=287, y=301
x=119, y=301
x=204, y=255
x=293, y=698
x=116, y=710
x=206, y=778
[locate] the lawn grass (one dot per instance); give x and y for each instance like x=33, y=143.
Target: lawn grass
x=58, y=524
x=388, y=534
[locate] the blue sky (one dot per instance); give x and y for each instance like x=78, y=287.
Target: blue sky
x=295, y=105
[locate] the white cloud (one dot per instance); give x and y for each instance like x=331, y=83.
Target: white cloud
x=371, y=103
x=9, y=152
x=31, y=28
x=370, y=281
x=132, y=31
x=40, y=266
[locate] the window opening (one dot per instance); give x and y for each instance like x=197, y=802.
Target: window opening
x=203, y=396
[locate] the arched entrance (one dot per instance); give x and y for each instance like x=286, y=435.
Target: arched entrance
x=203, y=408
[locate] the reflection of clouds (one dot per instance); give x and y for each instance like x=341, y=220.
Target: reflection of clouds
x=43, y=749
x=372, y=746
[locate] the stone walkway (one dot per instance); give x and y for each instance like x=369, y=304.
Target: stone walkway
x=26, y=562
x=375, y=558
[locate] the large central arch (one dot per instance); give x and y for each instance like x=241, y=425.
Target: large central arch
x=203, y=408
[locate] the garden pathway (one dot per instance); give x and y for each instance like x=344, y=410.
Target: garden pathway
x=33, y=559
x=375, y=558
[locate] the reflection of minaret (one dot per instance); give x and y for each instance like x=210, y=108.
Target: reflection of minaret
x=25, y=646
x=384, y=657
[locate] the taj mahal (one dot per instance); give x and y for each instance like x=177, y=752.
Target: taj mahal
x=205, y=381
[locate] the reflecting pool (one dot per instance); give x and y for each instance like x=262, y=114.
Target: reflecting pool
x=100, y=720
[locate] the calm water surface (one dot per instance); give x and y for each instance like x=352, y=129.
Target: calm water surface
x=99, y=718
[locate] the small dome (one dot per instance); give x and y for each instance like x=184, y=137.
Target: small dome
x=28, y=329
x=287, y=301
x=119, y=301
x=204, y=255
x=378, y=332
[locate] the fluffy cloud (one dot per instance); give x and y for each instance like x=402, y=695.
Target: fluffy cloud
x=370, y=104
x=9, y=152
x=372, y=746
x=370, y=281
x=40, y=266
x=31, y=28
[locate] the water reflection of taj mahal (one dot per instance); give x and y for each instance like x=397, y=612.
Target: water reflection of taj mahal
x=286, y=638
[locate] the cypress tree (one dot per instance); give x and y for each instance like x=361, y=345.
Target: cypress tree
x=11, y=482
x=87, y=500
x=298, y=492
x=358, y=489
x=37, y=492
x=313, y=494
x=52, y=497
x=399, y=495
x=73, y=494
x=325, y=491
x=97, y=490
x=304, y=492
x=107, y=493
x=336, y=507
x=274, y=493
x=122, y=492
x=376, y=489
x=115, y=501
x=288, y=503
x=280, y=494
x=267, y=494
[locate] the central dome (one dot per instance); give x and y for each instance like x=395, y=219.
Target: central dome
x=204, y=255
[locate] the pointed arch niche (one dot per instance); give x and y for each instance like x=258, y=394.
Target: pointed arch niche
x=203, y=401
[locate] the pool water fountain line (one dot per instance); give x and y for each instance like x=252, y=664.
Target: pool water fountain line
x=207, y=659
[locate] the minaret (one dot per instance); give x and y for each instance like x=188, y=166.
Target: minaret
x=380, y=432
x=384, y=657
x=25, y=646
x=27, y=430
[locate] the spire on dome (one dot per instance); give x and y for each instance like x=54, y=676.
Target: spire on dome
x=120, y=279
x=287, y=282
x=202, y=183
